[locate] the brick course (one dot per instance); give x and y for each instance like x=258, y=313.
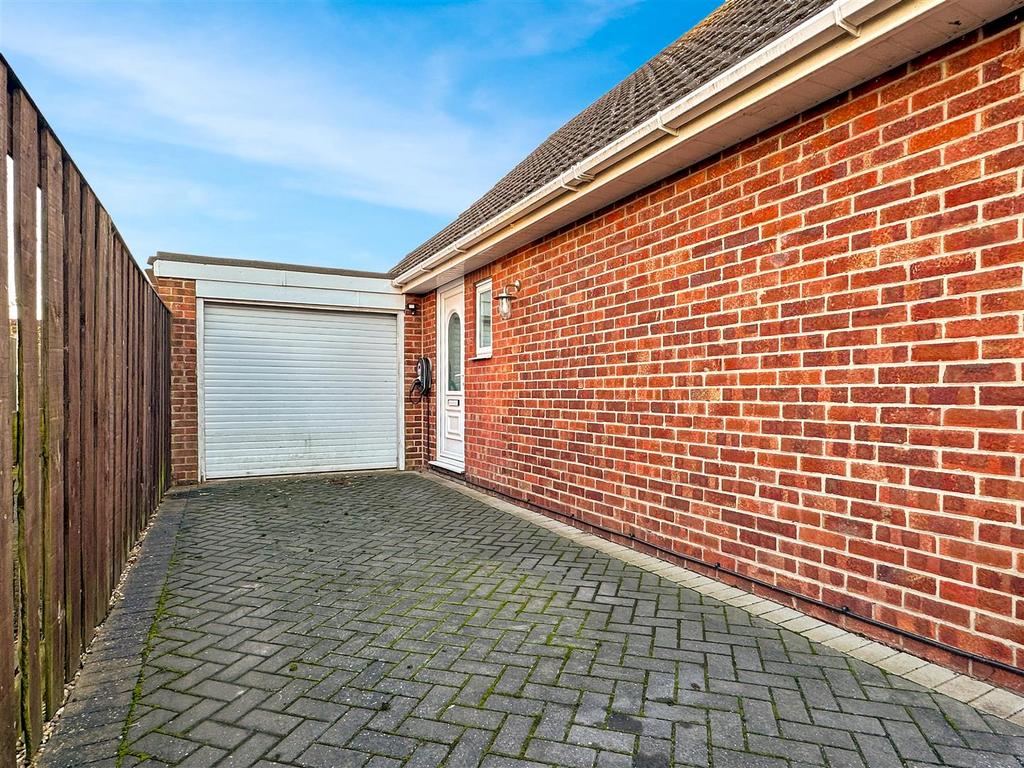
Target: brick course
x=801, y=359
x=180, y=297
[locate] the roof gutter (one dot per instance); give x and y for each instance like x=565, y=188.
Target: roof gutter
x=842, y=19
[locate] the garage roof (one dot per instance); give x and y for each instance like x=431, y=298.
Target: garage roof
x=191, y=258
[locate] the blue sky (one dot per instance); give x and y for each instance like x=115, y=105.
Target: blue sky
x=339, y=134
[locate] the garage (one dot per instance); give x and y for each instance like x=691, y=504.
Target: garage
x=289, y=391
x=281, y=369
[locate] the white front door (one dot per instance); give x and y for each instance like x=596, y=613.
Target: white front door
x=451, y=446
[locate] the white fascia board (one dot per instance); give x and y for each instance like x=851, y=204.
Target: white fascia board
x=818, y=50
x=341, y=298
x=226, y=273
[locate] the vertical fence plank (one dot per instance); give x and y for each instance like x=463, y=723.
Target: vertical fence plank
x=131, y=523
x=140, y=402
x=8, y=667
x=104, y=503
x=148, y=371
x=109, y=438
x=124, y=400
x=158, y=397
x=73, y=418
x=138, y=285
x=30, y=527
x=139, y=390
x=90, y=532
x=120, y=400
x=53, y=398
x=109, y=408
x=116, y=432
x=155, y=402
x=164, y=396
x=165, y=383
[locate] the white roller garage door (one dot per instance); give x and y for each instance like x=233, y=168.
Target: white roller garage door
x=287, y=391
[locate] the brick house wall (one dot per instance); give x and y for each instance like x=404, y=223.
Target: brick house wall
x=418, y=333
x=180, y=298
x=483, y=376
x=800, y=360
x=420, y=418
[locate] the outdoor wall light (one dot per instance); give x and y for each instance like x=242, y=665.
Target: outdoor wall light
x=412, y=308
x=505, y=299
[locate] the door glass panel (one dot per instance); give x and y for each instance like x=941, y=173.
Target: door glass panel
x=454, y=353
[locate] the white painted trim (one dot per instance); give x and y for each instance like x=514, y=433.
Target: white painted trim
x=9, y=257
x=290, y=294
x=818, y=59
x=200, y=388
x=280, y=277
x=482, y=353
x=400, y=378
x=450, y=466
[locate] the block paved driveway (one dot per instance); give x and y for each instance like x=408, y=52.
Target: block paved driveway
x=386, y=620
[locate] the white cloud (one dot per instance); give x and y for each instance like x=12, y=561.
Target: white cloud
x=222, y=90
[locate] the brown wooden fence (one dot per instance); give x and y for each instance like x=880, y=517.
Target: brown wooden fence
x=84, y=416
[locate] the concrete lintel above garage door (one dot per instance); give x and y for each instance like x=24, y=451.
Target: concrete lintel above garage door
x=261, y=281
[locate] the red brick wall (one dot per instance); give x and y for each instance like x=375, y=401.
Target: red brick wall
x=801, y=360
x=180, y=297
x=420, y=339
x=415, y=413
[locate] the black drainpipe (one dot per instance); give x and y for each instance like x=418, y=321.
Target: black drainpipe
x=668, y=553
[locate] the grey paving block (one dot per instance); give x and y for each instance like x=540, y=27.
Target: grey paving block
x=384, y=620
